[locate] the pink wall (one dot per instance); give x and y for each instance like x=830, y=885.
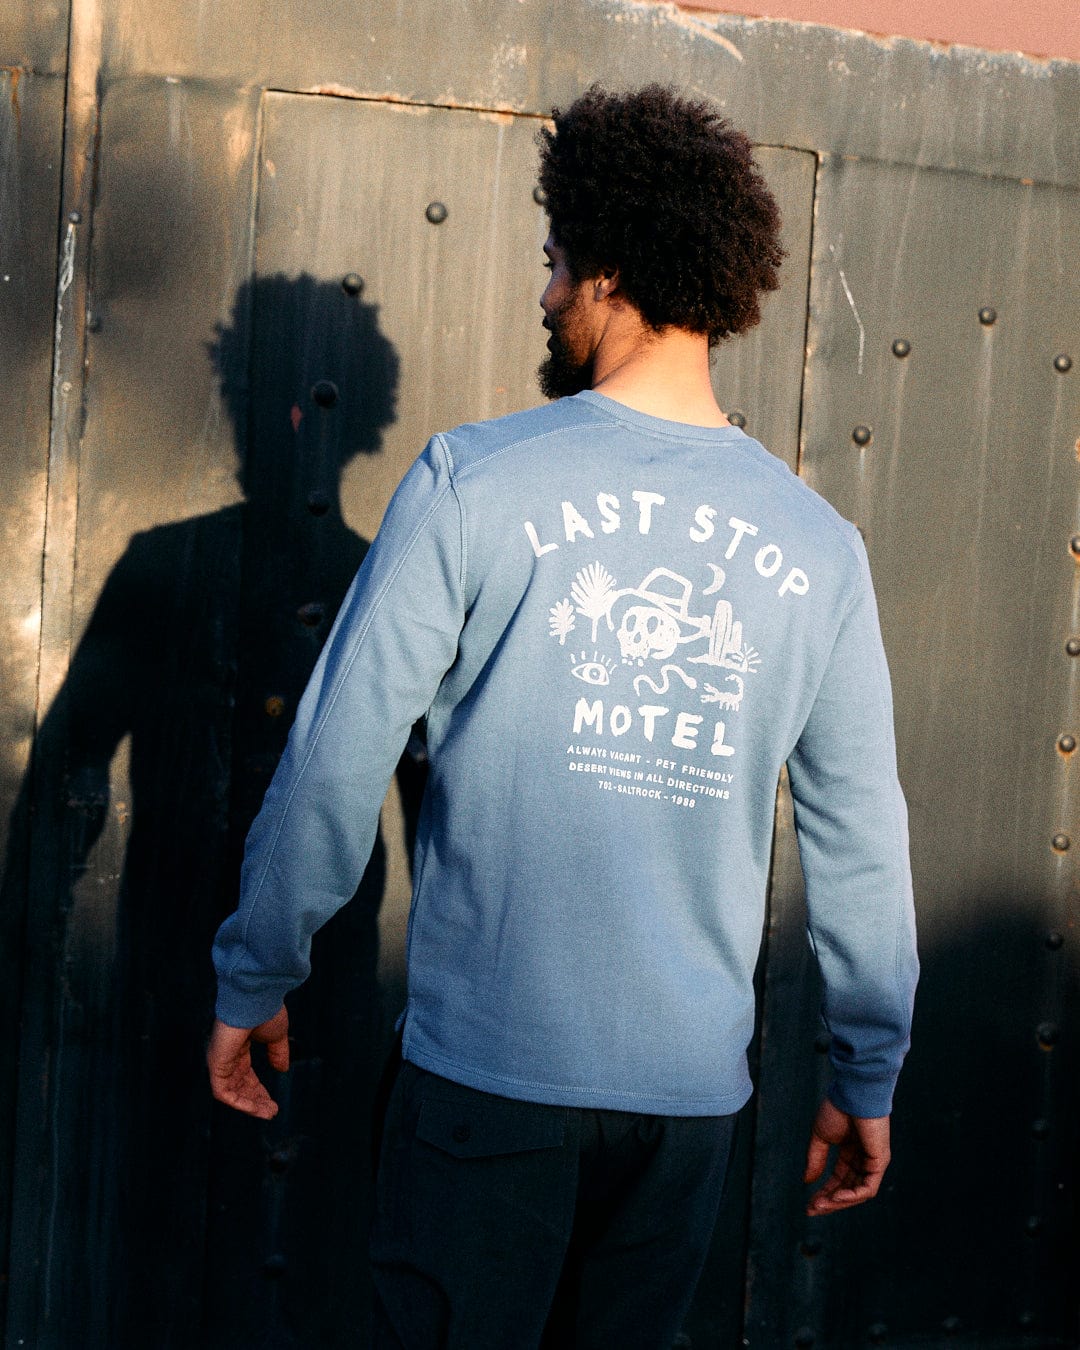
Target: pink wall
x=1038, y=27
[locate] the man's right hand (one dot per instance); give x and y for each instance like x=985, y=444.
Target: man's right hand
x=232, y=1078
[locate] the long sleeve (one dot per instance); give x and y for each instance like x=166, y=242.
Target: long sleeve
x=394, y=638
x=851, y=822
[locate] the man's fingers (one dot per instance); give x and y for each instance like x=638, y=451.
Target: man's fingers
x=277, y=1052
x=816, y=1157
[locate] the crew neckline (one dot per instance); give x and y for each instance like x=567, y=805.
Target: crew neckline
x=650, y=422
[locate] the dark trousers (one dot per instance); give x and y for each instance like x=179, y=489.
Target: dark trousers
x=507, y=1225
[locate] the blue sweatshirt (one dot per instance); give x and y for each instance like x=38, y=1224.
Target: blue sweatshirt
x=619, y=629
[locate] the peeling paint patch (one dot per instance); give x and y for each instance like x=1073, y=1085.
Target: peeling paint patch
x=690, y=24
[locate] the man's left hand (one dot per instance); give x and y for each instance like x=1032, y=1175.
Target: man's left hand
x=862, y=1155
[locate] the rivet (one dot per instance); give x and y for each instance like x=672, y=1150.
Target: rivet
x=810, y=1246
x=951, y=1326
x=1072, y=647
x=1062, y=363
x=1047, y=1033
x=901, y=347
x=311, y=615
x=280, y=1159
x=540, y=197
x=275, y=1265
x=75, y=217
x=1066, y=744
x=804, y=1338
x=877, y=1333
x=1055, y=940
x=318, y=503
x=1060, y=843
x=325, y=393
x=1040, y=1128
x=1074, y=545
x=737, y=419
x=822, y=1041
x=1032, y=1224
x=862, y=435
x=274, y=705
x=1027, y=1319
x=461, y=1134
x=352, y=283
x=682, y=1342
x=436, y=213
x=987, y=315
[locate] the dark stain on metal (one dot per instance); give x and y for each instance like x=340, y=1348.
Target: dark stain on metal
x=901, y=347
x=352, y=283
x=1062, y=363
x=436, y=212
x=862, y=435
x=987, y=315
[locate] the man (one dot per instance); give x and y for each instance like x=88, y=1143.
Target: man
x=621, y=616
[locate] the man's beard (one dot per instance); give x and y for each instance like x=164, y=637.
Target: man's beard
x=559, y=374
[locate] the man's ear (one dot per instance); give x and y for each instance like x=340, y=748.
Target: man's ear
x=606, y=283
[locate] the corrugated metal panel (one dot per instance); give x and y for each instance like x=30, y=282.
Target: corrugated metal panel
x=941, y=415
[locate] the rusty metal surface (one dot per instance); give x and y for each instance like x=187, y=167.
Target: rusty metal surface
x=33, y=36
x=31, y=128
x=843, y=93
x=131, y=762
x=944, y=318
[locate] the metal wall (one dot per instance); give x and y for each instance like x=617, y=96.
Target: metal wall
x=251, y=258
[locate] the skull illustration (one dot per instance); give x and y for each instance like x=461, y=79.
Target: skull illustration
x=646, y=631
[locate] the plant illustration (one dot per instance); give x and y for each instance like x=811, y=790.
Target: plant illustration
x=592, y=591
x=561, y=620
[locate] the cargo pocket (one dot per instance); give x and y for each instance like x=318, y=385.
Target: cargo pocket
x=496, y=1128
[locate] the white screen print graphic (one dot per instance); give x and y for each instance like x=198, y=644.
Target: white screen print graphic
x=658, y=630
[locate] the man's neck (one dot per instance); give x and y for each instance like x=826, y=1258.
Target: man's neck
x=663, y=374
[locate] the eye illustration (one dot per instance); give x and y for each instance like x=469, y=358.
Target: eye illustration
x=596, y=671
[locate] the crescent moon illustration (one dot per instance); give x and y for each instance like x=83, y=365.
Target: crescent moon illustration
x=719, y=576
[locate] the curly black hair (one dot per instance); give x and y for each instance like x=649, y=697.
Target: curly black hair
x=664, y=189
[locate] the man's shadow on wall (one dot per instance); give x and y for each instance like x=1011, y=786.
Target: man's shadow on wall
x=197, y=652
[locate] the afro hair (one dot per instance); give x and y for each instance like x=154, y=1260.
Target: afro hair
x=665, y=190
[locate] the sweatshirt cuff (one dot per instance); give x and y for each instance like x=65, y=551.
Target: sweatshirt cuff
x=858, y=1097
x=236, y=1008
